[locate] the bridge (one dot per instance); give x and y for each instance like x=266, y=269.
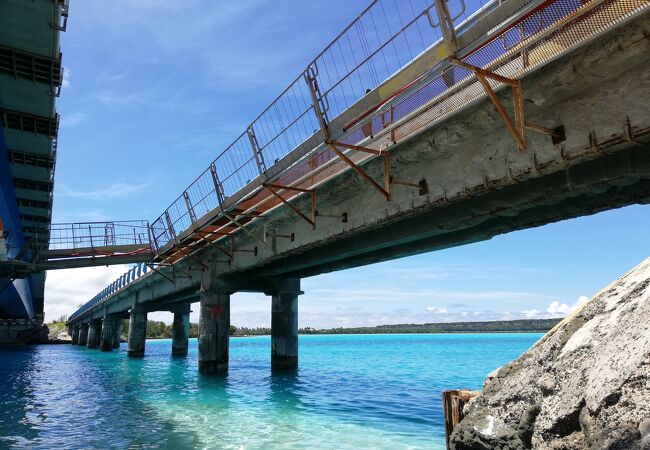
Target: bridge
x=414, y=130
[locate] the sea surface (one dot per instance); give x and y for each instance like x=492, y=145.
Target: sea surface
x=349, y=392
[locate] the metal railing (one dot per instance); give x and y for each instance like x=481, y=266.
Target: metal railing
x=116, y=286
x=98, y=235
x=385, y=37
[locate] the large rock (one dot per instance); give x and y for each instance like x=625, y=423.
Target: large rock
x=59, y=336
x=584, y=385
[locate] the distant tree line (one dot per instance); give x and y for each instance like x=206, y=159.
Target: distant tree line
x=497, y=326
x=161, y=330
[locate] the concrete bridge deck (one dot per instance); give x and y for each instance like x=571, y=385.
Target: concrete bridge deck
x=460, y=178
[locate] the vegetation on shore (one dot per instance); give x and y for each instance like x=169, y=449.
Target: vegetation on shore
x=497, y=326
x=161, y=330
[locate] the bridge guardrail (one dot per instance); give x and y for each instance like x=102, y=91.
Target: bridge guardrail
x=123, y=281
x=386, y=36
x=75, y=236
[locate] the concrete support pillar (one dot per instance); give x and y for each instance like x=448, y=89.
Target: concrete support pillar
x=93, y=333
x=107, y=335
x=118, y=333
x=83, y=334
x=284, y=330
x=181, y=332
x=75, y=334
x=137, y=333
x=214, y=327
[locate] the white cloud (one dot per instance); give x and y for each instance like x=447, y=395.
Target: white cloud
x=558, y=308
x=119, y=189
x=67, y=289
x=531, y=313
x=65, y=82
x=564, y=309
x=436, y=310
x=392, y=293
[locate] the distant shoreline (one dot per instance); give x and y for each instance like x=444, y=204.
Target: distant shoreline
x=160, y=330
x=375, y=334
x=497, y=326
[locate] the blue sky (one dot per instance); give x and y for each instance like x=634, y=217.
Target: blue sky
x=155, y=90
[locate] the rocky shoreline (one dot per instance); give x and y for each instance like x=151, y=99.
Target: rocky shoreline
x=584, y=385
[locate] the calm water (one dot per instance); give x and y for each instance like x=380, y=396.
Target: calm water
x=370, y=391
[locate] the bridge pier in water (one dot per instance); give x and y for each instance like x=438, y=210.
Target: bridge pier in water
x=94, y=332
x=284, y=329
x=83, y=334
x=137, y=333
x=107, y=339
x=117, y=330
x=214, y=331
x=181, y=331
x=75, y=335
x=214, y=322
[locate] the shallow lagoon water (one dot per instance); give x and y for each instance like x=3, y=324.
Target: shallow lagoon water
x=350, y=391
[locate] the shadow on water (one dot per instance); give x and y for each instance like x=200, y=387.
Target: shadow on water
x=285, y=389
x=64, y=396
x=17, y=397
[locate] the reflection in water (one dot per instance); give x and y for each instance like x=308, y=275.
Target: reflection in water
x=17, y=397
x=349, y=392
x=285, y=392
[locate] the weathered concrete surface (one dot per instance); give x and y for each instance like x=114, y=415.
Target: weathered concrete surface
x=83, y=334
x=137, y=333
x=20, y=334
x=181, y=332
x=75, y=334
x=107, y=337
x=94, y=332
x=117, y=337
x=586, y=384
x=214, y=328
x=284, y=330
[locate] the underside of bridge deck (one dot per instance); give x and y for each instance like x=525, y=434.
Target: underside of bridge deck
x=462, y=180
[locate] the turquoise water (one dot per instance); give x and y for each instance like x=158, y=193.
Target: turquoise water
x=350, y=391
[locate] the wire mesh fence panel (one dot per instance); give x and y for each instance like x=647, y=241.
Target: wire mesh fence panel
x=237, y=166
x=383, y=39
x=285, y=123
x=160, y=232
x=202, y=195
x=179, y=216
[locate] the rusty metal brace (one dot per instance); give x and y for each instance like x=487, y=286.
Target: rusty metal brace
x=516, y=128
x=274, y=188
x=193, y=258
x=557, y=134
x=241, y=227
x=628, y=134
x=225, y=252
x=593, y=142
x=160, y=272
x=422, y=187
x=273, y=234
x=385, y=190
x=241, y=250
